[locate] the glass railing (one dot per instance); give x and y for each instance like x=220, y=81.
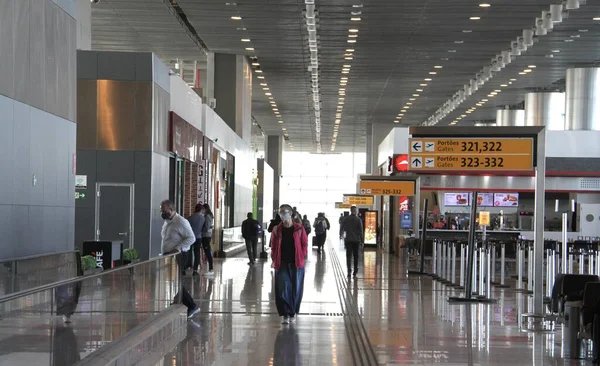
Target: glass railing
x=24, y=273
x=62, y=323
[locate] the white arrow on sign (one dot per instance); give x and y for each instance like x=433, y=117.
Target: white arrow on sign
x=417, y=146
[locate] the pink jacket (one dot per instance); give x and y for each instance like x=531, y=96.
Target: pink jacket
x=300, y=241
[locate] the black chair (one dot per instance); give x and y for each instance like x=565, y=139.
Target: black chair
x=591, y=296
x=572, y=288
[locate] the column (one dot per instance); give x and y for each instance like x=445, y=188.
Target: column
x=84, y=25
x=233, y=92
x=583, y=99
x=274, y=157
x=510, y=117
x=545, y=109
x=37, y=127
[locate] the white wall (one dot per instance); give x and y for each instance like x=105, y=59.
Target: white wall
x=572, y=144
x=396, y=142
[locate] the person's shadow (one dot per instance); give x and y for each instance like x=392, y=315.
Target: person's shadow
x=65, y=351
x=287, y=348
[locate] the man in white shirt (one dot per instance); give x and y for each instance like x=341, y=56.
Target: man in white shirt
x=178, y=237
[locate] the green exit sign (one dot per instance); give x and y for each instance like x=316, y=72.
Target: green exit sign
x=79, y=195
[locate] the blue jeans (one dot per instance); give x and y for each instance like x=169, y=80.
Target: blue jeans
x=289, y=286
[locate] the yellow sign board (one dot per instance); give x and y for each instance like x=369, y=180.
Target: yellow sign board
x=464, y=154
x=342, y=205
x=387, y=188
x=359, y=200
x=484, y=218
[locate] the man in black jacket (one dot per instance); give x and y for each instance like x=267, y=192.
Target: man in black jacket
x=250, y=230
x=353, y=227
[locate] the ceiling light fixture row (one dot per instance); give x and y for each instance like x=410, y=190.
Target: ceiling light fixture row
x=416, y=94
x=542, y=25
x=348, y=56
x=311, y=27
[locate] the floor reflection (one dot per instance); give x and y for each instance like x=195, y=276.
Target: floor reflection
x=287, y=348
x=65, y=350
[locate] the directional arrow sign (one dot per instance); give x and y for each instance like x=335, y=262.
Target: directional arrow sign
x=416, y=162
x=430, y=162
x=417, y=146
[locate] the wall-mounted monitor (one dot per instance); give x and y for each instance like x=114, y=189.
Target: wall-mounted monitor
x=506, y=200
x=484, y=199
x=456, y=199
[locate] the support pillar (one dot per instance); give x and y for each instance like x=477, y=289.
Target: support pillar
x=274, y=157
x=583, y=99
x=545, y=109
x=510, y=117
x=233, y=92
x=370, y=151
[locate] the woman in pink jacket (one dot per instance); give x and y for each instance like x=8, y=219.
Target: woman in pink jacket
x=289, y=248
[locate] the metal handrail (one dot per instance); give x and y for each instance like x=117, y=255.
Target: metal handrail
x=50, y=286
x=35, y=256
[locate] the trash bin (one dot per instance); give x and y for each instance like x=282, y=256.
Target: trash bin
x=574, y=348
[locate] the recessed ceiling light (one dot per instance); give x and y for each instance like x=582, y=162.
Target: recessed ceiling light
x=484, y=100
x=348, y=58
x=353, y=35
x=345, y=72
x=241, y=29
x=263, y=84
x=344, y=78
x=555, y=51
x=270, y=98
x=475, y=18
x=428, y=79
x=396, y=121
x=583, y=31
x=503, y=85
x=400, y=114
x=423, y=84
x=351, y=41
x=415, y=95
x=412, y=99
x=268, y=94
x=349, y=49
x=260, y=77
x=497, y=91
x=568, y=40
x=406, y=107
x=266, y=88
x=419, y=90
x=513, y=79
x=409, y=104
x=347, y=65
x=403, y=110
x=596, y=18
x=527, y=70
x=259, y=71
x=459, y=42
x=452, y=51
x=245, y=40
x=249, y=49
x=280, y=121
x=235, y=17
x=463, y=116
x=467, y=31
x=353, y=30
x=522, y=73
x=255, y=64
x=484, y=5
x=355, y=19
x=438, y=67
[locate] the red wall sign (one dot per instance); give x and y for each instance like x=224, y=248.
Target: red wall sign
x=401, y=163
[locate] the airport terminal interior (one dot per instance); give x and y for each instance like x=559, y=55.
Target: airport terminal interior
x=299, y=182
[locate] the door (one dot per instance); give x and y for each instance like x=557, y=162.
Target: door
x=114, y=212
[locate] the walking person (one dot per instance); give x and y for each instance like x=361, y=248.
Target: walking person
x=178, y=237
x=207, y=233
x=289, y=248
x=250, y=230
x=320, y=226
x=353, y=227
x=197, y=223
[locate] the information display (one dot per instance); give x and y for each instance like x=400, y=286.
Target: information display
x=476, y=154
x=388, y=188
x=370, y=233
x=358, y=200
x=506, y=199
x=456, y=199
x=484, y=218
x=342, y=205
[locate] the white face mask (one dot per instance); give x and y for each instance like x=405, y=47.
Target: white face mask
x=285, y=216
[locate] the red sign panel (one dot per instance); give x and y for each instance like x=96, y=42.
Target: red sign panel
x=401, y=163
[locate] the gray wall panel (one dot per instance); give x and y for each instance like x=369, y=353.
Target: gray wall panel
x=7, y=149
x=160, y=191
x=115, y=166
x=40, y=127
x=116, y=66
x=7, y=47
x=87, y=65
x=160, y=123
x=51, y=58
x=52, y=231
x=143, y=172
x=71, y=69
x=86, y=165
x=21, y=229
x=142, y=232
x=7, y=231
x=37, y=52
x=72, y=142
x=22, y=58
x=84, y=224
x=22, y=157
x=143, y=66
x=62, y=63
x=87, y=118
x=52, y=128
x=70, y=221
x=143, y=116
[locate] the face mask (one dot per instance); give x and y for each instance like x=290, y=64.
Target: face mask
x=165, y=216
x=286, y=216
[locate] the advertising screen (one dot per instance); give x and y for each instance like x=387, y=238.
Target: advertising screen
x=485, y=199
x=506, y=199
x=456, y=199
x=371, y=227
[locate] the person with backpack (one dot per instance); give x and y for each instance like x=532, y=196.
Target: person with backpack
x=250, y=231
x=306, y=224
x=320, y=226
x=207, y=232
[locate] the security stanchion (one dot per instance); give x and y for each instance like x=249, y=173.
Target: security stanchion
x=471, y=279
x=463, y=251
x=520, y=265
x=550, y=247
x=530, y=264
x=494, y=248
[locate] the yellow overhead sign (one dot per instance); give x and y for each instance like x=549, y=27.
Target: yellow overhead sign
x=359, y=200
x=387, y=188
x=342, y=205
x=484, y=218
x=462, y=154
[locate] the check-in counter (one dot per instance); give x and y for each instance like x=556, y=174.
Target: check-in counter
x=464, y=234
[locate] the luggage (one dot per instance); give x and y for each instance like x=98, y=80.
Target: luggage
x=315, y=242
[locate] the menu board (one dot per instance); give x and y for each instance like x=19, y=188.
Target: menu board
x=456, y=199
x=371, y=227
x=506, y=199
x=485, y=199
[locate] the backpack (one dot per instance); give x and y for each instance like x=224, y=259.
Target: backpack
x=307, y=227
x=320, y=227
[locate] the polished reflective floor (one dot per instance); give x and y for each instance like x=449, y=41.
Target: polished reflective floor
x=402, y=320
